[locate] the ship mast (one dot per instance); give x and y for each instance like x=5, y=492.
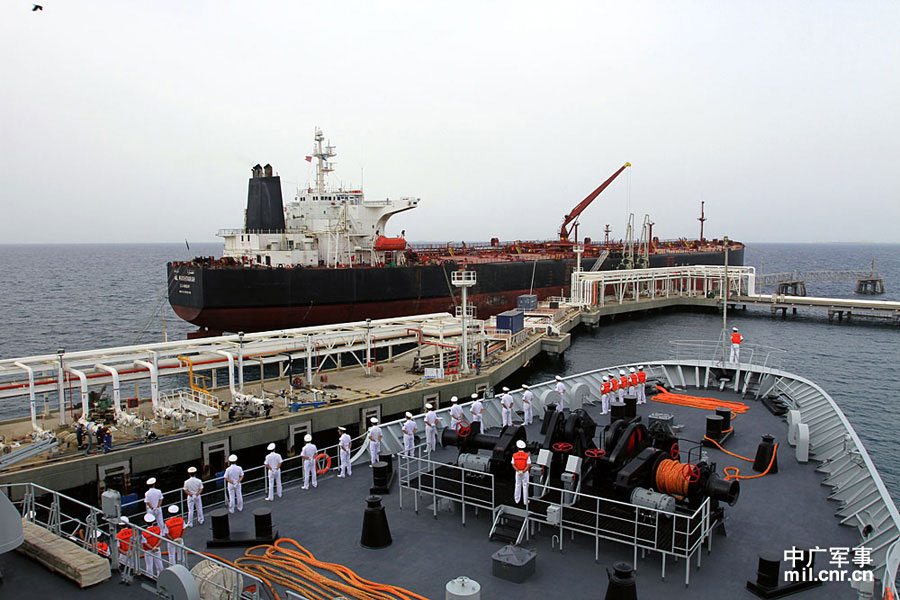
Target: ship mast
x=322, y=154
x=701, y=218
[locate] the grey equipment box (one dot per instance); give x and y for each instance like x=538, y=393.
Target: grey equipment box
x=513, y=563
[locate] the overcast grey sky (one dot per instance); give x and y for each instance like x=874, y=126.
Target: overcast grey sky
x=128, y=121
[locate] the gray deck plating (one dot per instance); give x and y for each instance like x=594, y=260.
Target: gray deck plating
x=774, y=513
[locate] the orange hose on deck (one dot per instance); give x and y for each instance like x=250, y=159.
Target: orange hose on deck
x=734, y=472
x=698, y=401
x=296, y=569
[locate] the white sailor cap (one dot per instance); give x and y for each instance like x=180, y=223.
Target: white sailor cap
x=307, y=438
x=341, y=428
x=271, y=446
x=124, y=520
x=409, y=415
x=454, y=399
x=149, y=518
x=621, y=371
x=631, y=370
x=606, y=378
x=734, y=328
x=505, y=389
x=429, y=406
x=524, y=387
x=192, y=470
x=232, y=458
x=173, y=510
x=558, y=378
x=640, y=367
x=474, y=396
x=520, y=444
x=373, y=420
x=151, y=481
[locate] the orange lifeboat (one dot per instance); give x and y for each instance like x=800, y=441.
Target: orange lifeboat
x=386, y=244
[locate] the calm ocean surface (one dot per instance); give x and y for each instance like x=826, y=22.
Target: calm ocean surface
x=93, y=296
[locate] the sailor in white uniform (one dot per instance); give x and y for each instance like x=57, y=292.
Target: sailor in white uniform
x=528, y=404
x=456, y=413
x=561, y=388
x=193, y=490
x=175, y=525
x=409, y=435
x=430, y=428
x=233, y=477
x=344, y=452
x=632, y=377
x=477, y=409
x=604, y=396
x=736, y=339
x=153, y=499
x=308, y=456
x=375, y=436
x=642, y=385
x=506, y=407
x=621, y=385
x=273, y=472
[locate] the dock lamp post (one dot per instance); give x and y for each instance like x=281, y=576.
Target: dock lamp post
x=368, y=346
x=241, y=361
x=61, y=387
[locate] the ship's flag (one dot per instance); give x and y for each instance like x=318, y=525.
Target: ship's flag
x=309, y=159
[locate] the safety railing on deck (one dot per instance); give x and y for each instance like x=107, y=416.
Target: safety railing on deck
x=720, y=352
x=120, y=541
x=671, y=534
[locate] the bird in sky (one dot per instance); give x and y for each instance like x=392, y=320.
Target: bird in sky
x=37, y=7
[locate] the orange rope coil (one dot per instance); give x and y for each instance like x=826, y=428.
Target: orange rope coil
x=671, y=477
x=667, y=397
x=734, y=472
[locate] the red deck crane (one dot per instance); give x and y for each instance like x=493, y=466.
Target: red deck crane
x=573, y=216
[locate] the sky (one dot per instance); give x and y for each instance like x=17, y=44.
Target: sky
x=139, y=121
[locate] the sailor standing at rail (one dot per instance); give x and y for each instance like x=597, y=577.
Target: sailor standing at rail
x=561, y=388
x=308, y=456
x=175, y=526
x=736, y=339
x=409, y=435
x=521, y=462
x=456, y=413
x=623, y=383
x=193, y=489
x=632, y=383
x=151, y=545
x=233, y=477
x=642, y=385
x=273, y=472
x=613, y=387
x=604, y=395
x=344, y=452
x=430, y=428
x=477, y=410
x=375, y=436
x=153, y=499
x=528, y=404
x=506, y=407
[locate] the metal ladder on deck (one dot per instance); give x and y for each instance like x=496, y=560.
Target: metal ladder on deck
x=510, y=524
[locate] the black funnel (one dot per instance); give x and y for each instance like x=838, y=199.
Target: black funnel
x=764, y=455
x=375, y=531
x=621, y=583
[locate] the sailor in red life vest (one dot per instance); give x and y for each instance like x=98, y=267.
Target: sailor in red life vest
x=613, y=387
x=175, y=529
x=623, y=383
x=521, y=462
x=604, y=395
x=632, y=382
x=642, y=384
x=736, y=339
x=150, y=543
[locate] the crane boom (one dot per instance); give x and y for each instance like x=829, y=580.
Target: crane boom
x=572, y=216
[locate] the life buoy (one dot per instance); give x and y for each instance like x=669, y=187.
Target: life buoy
x=322, y=467
x=297, y=381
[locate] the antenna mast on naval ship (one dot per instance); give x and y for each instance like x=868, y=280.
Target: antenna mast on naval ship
x=322, y=155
